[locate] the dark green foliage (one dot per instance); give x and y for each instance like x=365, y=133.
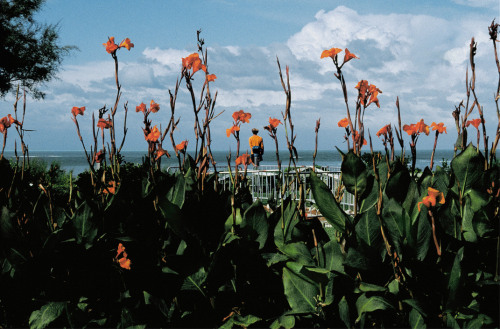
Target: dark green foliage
x=193, y=265
x=29, y=50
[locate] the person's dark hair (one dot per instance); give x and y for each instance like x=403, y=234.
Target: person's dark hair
x=255, y=131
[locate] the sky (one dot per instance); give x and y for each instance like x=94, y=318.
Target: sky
x=415, y=50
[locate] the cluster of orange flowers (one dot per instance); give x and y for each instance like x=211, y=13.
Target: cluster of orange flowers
x=333, y=52
x=153, y=107
x=6, y=122
x=112, y=47
x=239, y=118
x=121, y=257
x=416, y=128
x=433, y=197
x=368, y=93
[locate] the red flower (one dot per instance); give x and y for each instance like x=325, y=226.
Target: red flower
x=123, y=260
x=141, y=108
x=433, y=197
x=111, y=46
x=211, y=77
x=330, y=52
x=161, y=152
x=193, y=61
x=153, y=135
x=77, y=110
x=348, y=56
x=416, y=128
x=439, y=127
x=475, y=123
x=181, y=146
x=343, y=123
x=104, y=124
x=127, y=44
x=154, y=107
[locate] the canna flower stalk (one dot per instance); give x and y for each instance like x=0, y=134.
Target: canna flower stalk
x=430, y=201
x=414, y=131
x=439, y=128
x=272, y=128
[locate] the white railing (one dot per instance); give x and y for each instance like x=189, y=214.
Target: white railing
x=262, y=182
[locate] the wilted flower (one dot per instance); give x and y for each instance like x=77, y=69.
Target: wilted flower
x=77, y=110
x=154, y=107
x=433, y=197
x=141, y=108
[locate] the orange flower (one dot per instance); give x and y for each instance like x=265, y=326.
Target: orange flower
x=433, y=197
x=104, y=124
x=197, y=65
x=187, y=62
x=330, y=53
x=111, y=46
x=154, y=107
x=274, y=122
x=161, y=152
x=141, y=108
x=244, y=159
x=123, y=261
x=181, y=146
x=241, y=116
x=77, y=110
x=439, y=127
x=12, y=120
x=4, y=124
x=474, y=122
x=211, y=77
x=232, y=130
x=348, y=56
x=153, y=135
x=374, y=91
x=417, y=128
x=111, y=188
x=362, y=86
x=411, y=129
x=422, y=127
x=355, y=137
x=343, y=123
x=127, y=44
x=384, y=130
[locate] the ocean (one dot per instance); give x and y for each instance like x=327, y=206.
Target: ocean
x=75, y=160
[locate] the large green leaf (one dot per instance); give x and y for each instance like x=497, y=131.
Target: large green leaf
x=85, y=225
x=421, y=235
x=354, y=174
x=397, y=222
x=368, y=228
x=344, y=313
x=455, y=282
x=299, y=252
x=416, y=320
x=286, y=223
x=284, y=321
x=46, y=315
x=240, y=321
x=176, y=194
x=468, y=168
x=301, y=292
x=195, y=281
x=398, y=183
x=255, y=225
x=369, y=304
x=327, y=204
x=171, y=213
x=333, y=259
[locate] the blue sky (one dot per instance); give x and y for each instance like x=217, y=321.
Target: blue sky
x=417, y=50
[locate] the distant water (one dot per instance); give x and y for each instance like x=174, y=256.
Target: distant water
x=75, y=160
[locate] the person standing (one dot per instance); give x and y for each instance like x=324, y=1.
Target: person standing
x=257, y=146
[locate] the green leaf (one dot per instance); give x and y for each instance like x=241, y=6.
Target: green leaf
x=416, y=320
x=327, y=204
x=274, y=258
x=195, y=281
x=255, y=225
x=239, y=320
x=85, y=226
x=368, y=228
x=344, y=313
x=398, y=183
x=454, y=282
x=374, y=303
x=354, y=174
x=397, y=222
x=229, y=221
x=298, y=252
x=421, y=235
x=286, y=223
x=46, y=315
x=300, y=291
x=171, y=213
x=284, y=321
x=333, y=258
x=176, y=194
x=468, y=168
